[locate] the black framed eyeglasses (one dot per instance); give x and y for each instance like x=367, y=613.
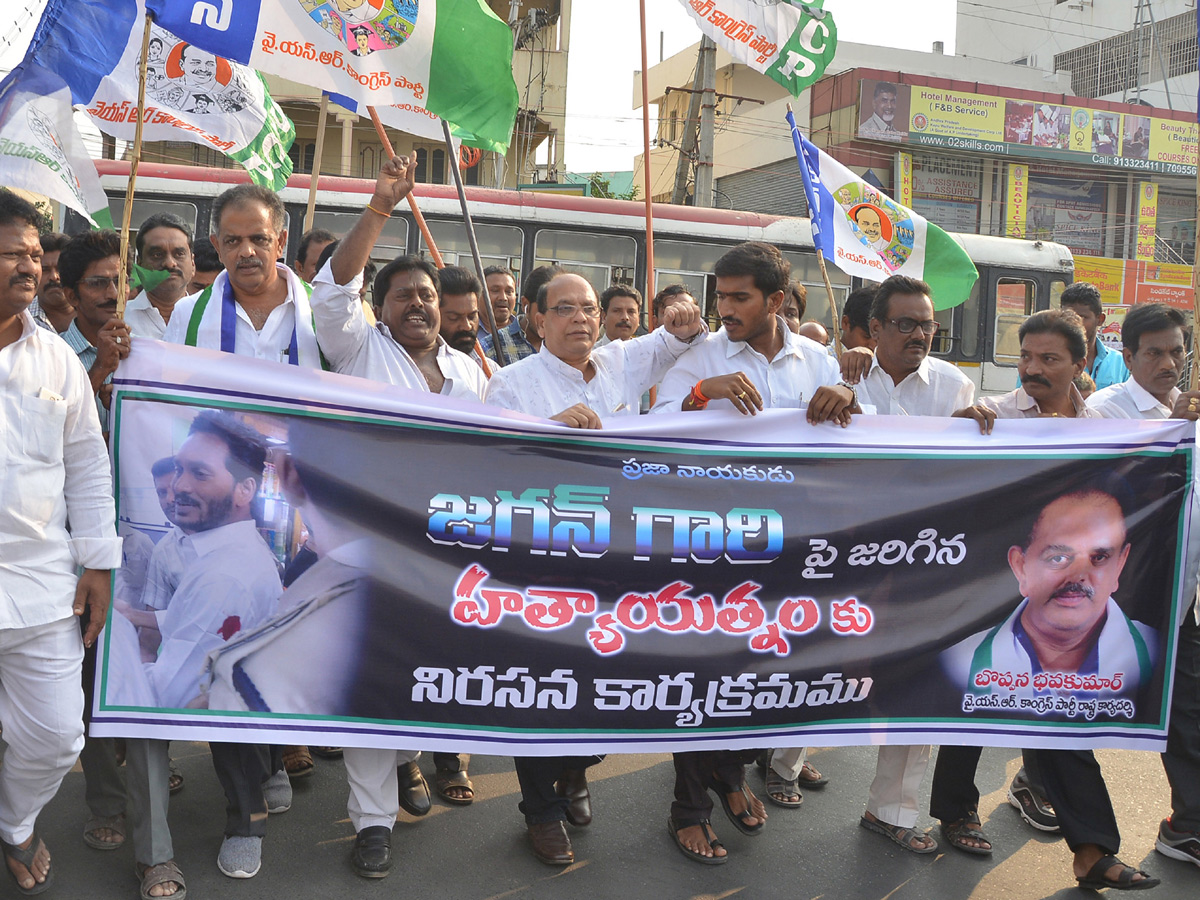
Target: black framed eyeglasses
x=906, y=325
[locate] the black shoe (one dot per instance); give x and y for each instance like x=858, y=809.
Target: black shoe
x=1034, y=808
x=414, y=792
x=372, y=854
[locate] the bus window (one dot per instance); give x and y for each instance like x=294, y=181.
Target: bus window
x=971, y=321
x=1057, y=287
x=684, y=262
x=602, y=259
x=1016, y=300
x=807, y=271
x=144, y=209
x=392, y=242
x=499, y=245
x=943, y=341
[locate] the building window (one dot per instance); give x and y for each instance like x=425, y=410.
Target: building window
x=367, y=166
x=422, y=173
x=1118, y=63
x=438, y=169
x=302, y=156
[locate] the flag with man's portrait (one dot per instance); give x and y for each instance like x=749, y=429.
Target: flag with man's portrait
x=191, y=95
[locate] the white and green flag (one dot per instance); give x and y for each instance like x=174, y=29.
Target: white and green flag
x=41, y=150
x=787, y=40
x=192, y=95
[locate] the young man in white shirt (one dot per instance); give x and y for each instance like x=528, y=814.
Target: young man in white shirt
x=405, y=348
x=572, y=381
x=164, y=242
x=256, y=307
x=57, y=468
x=1156, y=355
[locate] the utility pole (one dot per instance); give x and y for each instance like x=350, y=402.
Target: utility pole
x=708, y=106
x=688, y=151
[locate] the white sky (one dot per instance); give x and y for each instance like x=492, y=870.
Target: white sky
x=604, y=132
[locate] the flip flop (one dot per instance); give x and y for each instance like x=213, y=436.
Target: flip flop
x=674, y=827
x=1096, y=881
x=810, y=777
x=25, y=856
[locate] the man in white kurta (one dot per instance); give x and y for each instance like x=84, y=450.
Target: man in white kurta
x=572, y=381
x=55, y=469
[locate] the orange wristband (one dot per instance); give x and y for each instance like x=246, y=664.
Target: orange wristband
x=699, y=401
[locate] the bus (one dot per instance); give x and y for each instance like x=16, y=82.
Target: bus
x=605, y=241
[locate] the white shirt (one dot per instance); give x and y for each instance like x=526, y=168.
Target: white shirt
x=167, y=564
x=1019, y=405
x=53, y=466
x=936, y=388
x=143, y=319
x=353, y=347
x=136, y=550
x=232, y=585
x=1129, y=400
x=787, y=381
x=271, y=343
x=543, y=385
x=319, y=627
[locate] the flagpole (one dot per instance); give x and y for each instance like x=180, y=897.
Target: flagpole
x=501, y=356
x=315, y=175
x=127, y=214
x=837, y=322
x=412, y=200
x=649, y=295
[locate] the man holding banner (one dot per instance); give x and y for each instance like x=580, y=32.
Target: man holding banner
x=56, y=466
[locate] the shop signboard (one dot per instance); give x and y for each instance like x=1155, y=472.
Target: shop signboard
x=986, y=123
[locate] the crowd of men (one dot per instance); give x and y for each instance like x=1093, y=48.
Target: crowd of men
x=560, y=352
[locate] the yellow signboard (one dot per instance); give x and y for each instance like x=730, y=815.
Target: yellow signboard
x=957, y=114
x=1147, y=219
x=1018, y=198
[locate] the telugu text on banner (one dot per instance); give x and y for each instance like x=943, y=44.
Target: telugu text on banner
x=649, y=587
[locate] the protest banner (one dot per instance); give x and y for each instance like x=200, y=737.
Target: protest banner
x=488, y=582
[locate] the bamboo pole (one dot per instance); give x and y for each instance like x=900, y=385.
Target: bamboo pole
x=412, y=200
x=649, y=294
x=501, y=356
x=315, y=175
x=127, y=214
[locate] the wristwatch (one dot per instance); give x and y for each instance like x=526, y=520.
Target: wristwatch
x=853, y=393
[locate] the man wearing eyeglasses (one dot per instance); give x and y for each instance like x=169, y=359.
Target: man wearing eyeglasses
x=574, y=382
x=89, y=266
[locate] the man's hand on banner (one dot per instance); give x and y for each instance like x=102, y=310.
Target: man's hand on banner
x=984, y=415
x=683, y=320
x=1187, y=406
x=395, y=182
x=736, y=388
x=578, y=416
x=93, y=593
x=855, y=363
x=832, y=404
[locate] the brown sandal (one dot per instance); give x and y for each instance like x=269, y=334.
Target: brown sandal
x=163, y=873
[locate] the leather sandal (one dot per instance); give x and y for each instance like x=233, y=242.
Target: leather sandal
x=738, y=819
x=967, y=829
x=1095, y=878
x=714, y=860
x=162, y=873
x=446, y=779
x=96, y=824
x=780, y=788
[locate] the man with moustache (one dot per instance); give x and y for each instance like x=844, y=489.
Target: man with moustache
x=89, y=266
x=164, y=242
x=58, y=544
x=259, y=308
x=256, y=307
x=1156, y=354
x=621, y=313
x=51, y=309
x=458, y=304
x=312, y=242
x=1053, y=352
x=519, y=338
x=405, y=348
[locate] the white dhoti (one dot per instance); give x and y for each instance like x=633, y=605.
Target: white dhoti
x=898, y=774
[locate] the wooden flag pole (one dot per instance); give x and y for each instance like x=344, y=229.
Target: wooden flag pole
x=501, y=356
x=837, y=319
x=127, y=214
x=315, y=175
x=648, y=297
x=412, y=200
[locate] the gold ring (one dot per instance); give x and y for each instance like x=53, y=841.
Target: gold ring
x=741, y=395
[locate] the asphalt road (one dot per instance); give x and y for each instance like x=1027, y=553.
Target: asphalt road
x=481, y=851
